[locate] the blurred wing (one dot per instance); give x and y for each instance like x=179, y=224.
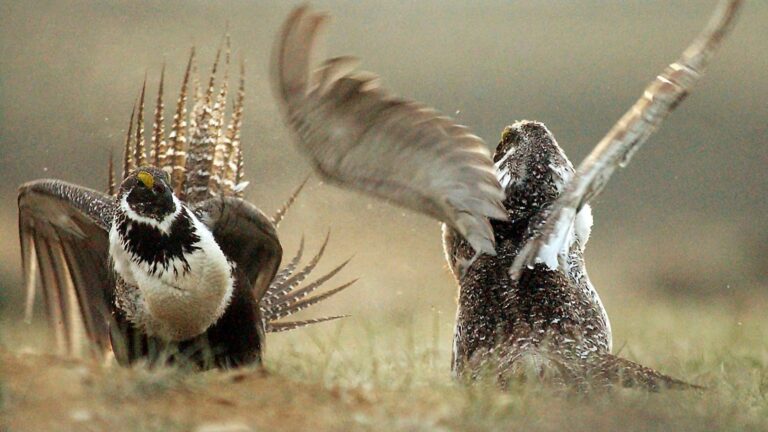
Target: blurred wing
x=65, y=250
x=616, y=149
x=360, y=137
x=246, y=236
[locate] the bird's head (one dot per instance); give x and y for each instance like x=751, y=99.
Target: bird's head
x=147, y=192
x=531, y=166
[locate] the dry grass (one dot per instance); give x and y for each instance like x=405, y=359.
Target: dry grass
x=389, y=373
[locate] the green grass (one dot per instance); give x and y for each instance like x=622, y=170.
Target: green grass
x=392, y=373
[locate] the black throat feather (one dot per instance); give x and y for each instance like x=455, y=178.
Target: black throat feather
x=148, y=244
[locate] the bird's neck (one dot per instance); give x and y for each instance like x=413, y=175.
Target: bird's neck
x=182, y=278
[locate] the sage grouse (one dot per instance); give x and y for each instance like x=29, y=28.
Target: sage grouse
x=173, y=264
x=525, y=300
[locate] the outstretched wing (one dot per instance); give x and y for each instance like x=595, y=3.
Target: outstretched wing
x=662, y=96
x=65, y=250
x=246, y=236
x=358, y=136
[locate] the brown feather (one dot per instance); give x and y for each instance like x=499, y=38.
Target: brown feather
x=217, y=128
x=202, y=143
x=158, y=127
x=360, y=137
x=615, y=150
x=231, y=152
x=177, y=150
x=280, y=213
x=111, y=185
x=141, y=151
x=128, y=163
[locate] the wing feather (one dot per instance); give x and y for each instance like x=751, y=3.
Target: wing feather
x=246, y=236
x=660, y=98
x=63, y=232
x=360, y=137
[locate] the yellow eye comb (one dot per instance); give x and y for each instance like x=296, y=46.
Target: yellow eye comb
x=146, y=178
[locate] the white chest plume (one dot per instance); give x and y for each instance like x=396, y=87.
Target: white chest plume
x=182, y=297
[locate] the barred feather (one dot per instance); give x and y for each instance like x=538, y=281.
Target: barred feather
x=280, y=214
x=158, y=151
x=277, y=290
x=141, y=151
x=111, y=185
x=177, y=151
x=128, y=163
x=231, y=152
x=294, y=296
x=288, y=270
x=217, y=128
x=276, y=327
x=239, y=184
x=275, y=314
x=202, y=144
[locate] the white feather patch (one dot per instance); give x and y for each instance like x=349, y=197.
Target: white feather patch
x=178, y=304
x=163, y=225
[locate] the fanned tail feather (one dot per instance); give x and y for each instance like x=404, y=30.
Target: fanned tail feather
x=231, y=153
x=141, y=151
x=111, y=184
x=202, y=143
x=276, y=327
x=157, y=155
x=277, y=290
x=218, y=130
x=280, y=214
x=176, y=158
x=128, y=163
x=282, y=276
x=294, y=296
x=201, y=153
x=284, y=297
x=283, y=310
x=239, y=183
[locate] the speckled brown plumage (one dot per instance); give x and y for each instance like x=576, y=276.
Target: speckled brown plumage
x=551, y=322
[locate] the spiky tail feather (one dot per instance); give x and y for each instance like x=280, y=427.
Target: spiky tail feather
x=111, y=183
x=128, y=163
x=279, y=289
x=610, y=369
x=284, y=297
x=280, y=214
x=141, y=150
x=276, y=327
x=159, y=150
x=176, y=159
x=232, y=153
x=203, y=142
x=596, y=371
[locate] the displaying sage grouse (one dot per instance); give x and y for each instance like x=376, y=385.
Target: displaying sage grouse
x=173, y=264
x=525, y=303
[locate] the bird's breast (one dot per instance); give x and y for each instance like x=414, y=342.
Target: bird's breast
x=184, y=279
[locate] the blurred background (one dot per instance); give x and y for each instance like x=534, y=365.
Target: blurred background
x=684, y=223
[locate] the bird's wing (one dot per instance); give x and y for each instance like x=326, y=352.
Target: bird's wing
x=65, y=250
x=662, y=96
x=359, y=136
x=246, y=236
